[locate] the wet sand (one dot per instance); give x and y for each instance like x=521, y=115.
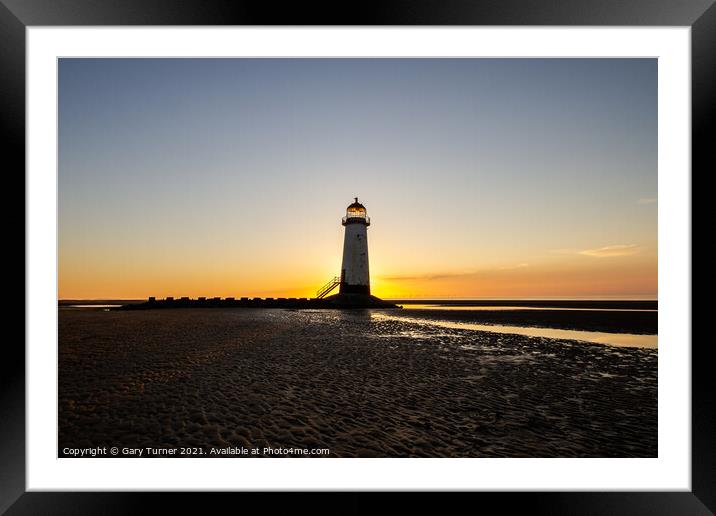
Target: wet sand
x=350, y=381
x=639, y=322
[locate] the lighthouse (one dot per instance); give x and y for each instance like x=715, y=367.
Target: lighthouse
x=354, y=281
x=355, y=277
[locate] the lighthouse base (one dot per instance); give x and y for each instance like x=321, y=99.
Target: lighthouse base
x=354, y=289
x=344, y=300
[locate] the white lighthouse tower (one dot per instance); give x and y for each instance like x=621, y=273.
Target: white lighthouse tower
x=355, y=278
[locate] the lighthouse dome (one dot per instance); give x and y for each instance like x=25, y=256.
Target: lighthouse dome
x=356, y=212
x=356, y=205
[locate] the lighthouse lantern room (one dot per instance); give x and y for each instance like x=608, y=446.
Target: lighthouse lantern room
x=355, y=278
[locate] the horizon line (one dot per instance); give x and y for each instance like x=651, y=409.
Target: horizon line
x=634, y=297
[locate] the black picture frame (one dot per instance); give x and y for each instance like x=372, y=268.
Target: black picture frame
x=700, y=15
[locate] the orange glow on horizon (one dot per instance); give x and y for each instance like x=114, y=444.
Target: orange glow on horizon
x=407, y=261
x=566, y=277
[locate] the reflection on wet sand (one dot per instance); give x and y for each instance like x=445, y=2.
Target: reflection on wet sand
x=612, y=339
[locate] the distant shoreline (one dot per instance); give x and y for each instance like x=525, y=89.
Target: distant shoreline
x=539, y=303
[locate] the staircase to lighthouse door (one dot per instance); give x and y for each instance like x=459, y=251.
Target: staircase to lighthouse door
x=328, y=287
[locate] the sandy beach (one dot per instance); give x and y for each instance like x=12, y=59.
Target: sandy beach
x=354, y=382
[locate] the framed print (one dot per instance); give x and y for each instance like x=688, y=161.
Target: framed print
x=421, y=249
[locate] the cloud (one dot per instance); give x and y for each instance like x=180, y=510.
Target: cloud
x=648, y=200
x=450, y=275
x=513, y=267
x=611, y=251
x=444, y=275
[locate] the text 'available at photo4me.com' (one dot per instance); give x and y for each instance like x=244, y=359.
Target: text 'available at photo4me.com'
x=228, y=451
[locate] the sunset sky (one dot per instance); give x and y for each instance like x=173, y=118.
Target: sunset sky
x=483, y=178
